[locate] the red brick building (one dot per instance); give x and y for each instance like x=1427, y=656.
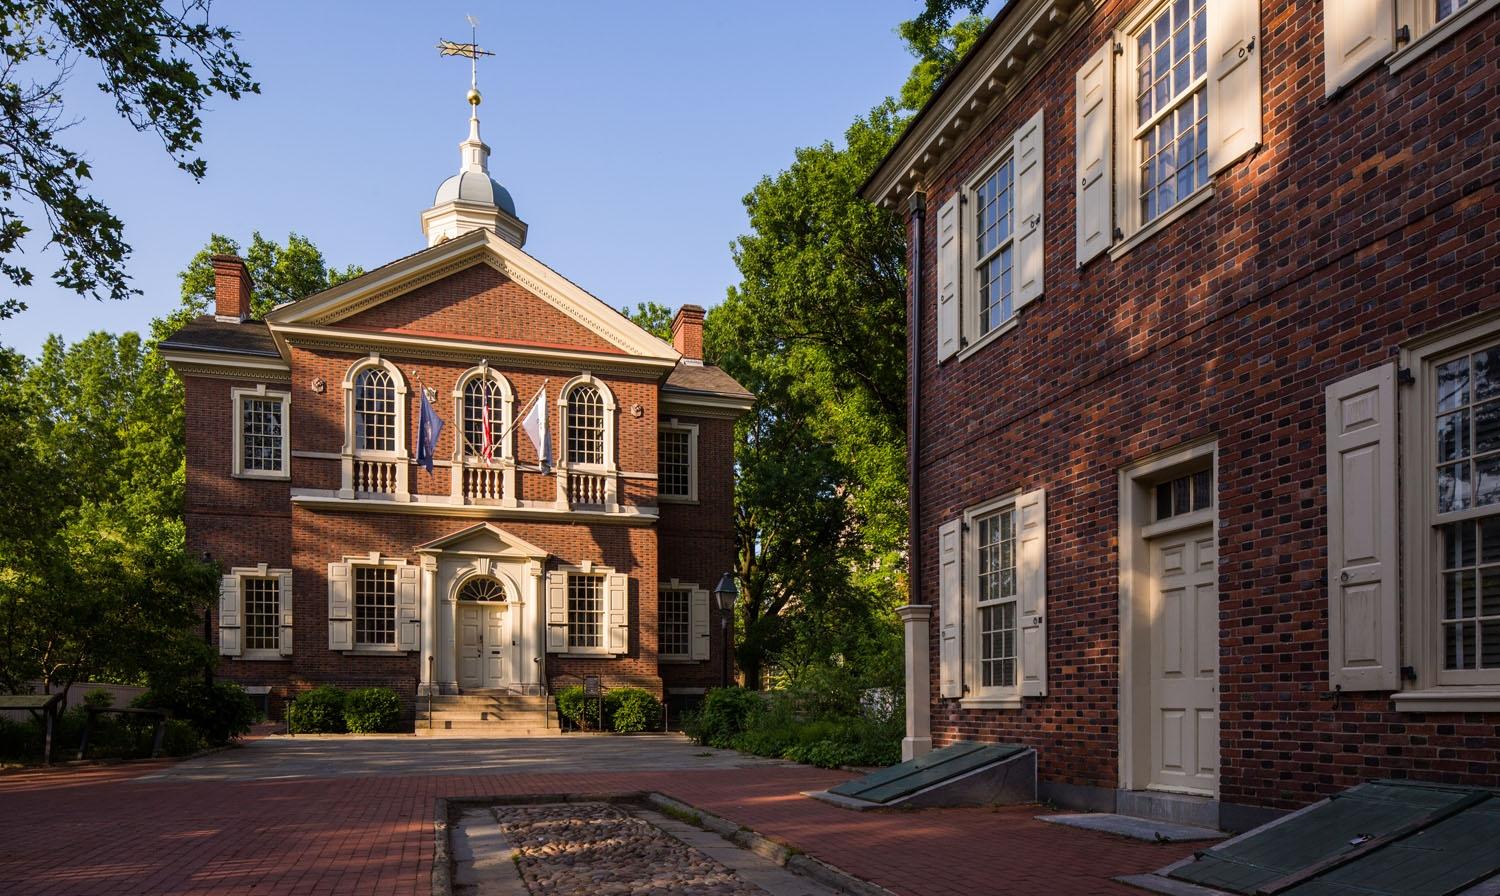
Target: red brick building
x=1205, y=370
x=346, y=562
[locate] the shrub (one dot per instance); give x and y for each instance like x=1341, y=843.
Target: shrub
x=181, y=739
x=369, y=710
x=221, y=711
x=318, y=711
x=724, y=714
x=633, y=710
x=99, y=698
x=573, y=706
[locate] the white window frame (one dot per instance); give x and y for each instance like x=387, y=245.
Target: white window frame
x=361, y=647
x=969, y=325
x=614, y=617
x=671, y=425
x=1435, y=689
x=400, y=457
x=686, y=590
x=1132, y=228
x=1419, y=17
x=976, y=695
x=505, y=462
x=609, y=470
x=283, y=607
x=260, y=392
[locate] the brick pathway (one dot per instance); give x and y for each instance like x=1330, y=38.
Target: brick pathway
x=103, y=831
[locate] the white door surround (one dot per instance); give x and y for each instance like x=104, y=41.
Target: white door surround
x=1169, y=632
x=511, y=621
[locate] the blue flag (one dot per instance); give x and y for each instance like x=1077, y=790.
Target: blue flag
x=428, y=428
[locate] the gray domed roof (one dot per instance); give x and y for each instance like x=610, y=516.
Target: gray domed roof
x=474, y=186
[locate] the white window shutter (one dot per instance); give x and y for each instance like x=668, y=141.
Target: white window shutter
x=284, y=602
x=947, y=278
x=1031, y=609
x=340, y=608
x=1094, y=136
x=229, y=616
x=1030, y=153
x=557, y=612
x=408, y=607
x=1356, y=35
x=1234, y=99
x=698, y=624
x=617, y=588
x=1363, y=616
x=950, y=609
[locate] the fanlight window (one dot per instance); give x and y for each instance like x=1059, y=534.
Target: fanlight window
x=585, y=425
x=483, y=413
x=375, y=411
x=482, y=589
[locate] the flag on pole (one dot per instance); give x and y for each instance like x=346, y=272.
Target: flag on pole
x=486, y=429
x=535, y=425
x=428, y=428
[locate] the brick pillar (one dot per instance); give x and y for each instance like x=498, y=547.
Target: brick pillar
x=232, y=285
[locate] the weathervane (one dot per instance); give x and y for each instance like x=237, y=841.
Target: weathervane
x=472, y=52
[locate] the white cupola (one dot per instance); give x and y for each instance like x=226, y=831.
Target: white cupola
x=471, y=199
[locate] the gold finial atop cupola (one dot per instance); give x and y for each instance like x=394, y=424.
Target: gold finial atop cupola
x=471, y=199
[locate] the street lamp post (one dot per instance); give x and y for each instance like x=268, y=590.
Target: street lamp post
x=724, y=595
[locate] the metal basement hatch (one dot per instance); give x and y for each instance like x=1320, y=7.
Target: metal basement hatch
x=959, y=774
x=1385, y=838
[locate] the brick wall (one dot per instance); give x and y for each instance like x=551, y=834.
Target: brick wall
x=1362, y=222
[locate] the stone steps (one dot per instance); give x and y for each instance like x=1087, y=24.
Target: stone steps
x=516, y=728
x=497, y=714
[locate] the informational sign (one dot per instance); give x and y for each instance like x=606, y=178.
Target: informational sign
x=591, y=686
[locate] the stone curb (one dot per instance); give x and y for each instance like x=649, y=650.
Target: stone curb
x=798, y=862
x=447, y=809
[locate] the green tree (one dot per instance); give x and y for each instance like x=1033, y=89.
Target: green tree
x=281, y=272
x=159, y=62
x=653, y=317
x=938, y=46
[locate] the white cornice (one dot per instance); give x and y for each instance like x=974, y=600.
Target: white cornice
x=478, y=246
x=360, y=342
x=321, y=499
x=227, y=366
x=1004, y=60
x=704, y=404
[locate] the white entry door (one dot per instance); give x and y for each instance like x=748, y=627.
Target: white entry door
x=483, y=645
x=1185, y=662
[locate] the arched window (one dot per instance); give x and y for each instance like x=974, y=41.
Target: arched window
x=482, y=588
x=585, y=425
x=483, y=418
x=375, y=420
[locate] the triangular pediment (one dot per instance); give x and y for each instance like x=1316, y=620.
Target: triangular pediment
x=484, y=538
x=353, y=304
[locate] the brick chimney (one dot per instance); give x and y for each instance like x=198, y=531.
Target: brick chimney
x=231, y=288
x=687, y=332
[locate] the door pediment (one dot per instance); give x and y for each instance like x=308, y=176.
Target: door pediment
x=485, y=539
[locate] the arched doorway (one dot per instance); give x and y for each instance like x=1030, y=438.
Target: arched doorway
x=484, y=633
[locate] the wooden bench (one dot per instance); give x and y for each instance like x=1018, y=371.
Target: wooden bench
x=40, y=706
x=161, y=716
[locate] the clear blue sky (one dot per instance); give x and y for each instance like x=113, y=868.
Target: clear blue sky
x=627, y=133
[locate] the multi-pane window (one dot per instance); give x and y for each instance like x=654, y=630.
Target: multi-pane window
x=374, y=605
x=262, y=612
x=262, y=442
x=675, y=462
x=1185, y=494
x=995, y=597
x=1171, y=127
x=375, y=411
x=675, y=625
x=483, y=412
x=1467, y=455
x=994, y=247
x=585, y=610
x=1446, y=8
x=585, y=425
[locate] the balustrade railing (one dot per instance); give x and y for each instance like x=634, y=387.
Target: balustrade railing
x=587, y=488
x=484, y=483
x=375, y=476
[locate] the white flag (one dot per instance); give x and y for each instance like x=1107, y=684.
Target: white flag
x=535, y=426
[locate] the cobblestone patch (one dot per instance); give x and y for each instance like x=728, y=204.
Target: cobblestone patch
x=599, y=849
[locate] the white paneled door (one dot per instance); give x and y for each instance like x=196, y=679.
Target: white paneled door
x=483, y=645
x=1185, y=662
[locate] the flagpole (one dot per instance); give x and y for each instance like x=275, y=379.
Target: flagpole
x=521, y=415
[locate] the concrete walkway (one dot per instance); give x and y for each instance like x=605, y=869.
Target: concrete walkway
x=336, y=816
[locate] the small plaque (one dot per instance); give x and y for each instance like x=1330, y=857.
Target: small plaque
x=592, y=686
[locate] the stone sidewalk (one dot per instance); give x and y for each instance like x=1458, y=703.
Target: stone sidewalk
x=212, y=826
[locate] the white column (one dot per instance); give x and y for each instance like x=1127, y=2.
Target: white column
x=447, y=664
x=918, y=740
x=429, y=622
x=537, y=632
